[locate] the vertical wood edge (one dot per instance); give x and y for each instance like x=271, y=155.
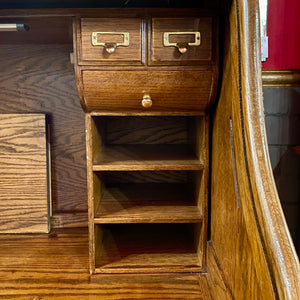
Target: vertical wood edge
x=204, y=193
x=77, y=68
x=216, y=280
x=90, y=183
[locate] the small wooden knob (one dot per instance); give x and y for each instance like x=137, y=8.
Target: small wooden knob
x=146, y=102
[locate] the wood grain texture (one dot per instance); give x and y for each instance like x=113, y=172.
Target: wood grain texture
x=169, y=91
x=147, y=203
x=90, y=54
x=117, y=144
x=146, y=248
x=230, y=191
x=274, y=231
x=247, y=198
x=248, y=227
x=39, y=78
x=55, y=266
x=200, y=138
x=161, y=55
x=118, y=177
x=146, y=130
x=94, y=186
x=69, y=220
x=24, y=174
x=215, y=277
x=146, y=157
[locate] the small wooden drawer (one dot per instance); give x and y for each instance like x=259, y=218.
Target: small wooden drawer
x=181, y=41
x=110, y=40
x=147, y=90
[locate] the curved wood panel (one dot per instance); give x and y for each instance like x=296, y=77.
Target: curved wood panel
x=249, y=232
x=279, y=249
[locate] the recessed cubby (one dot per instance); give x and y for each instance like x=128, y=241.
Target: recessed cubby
x=147, y=196
x=142, y=248
x=147, y=142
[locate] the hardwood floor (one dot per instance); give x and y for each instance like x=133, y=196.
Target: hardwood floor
x=55, y=266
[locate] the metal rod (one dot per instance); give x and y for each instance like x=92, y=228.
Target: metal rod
x=14, y=27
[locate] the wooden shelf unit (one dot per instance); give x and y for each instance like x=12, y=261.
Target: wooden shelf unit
x=147, y=193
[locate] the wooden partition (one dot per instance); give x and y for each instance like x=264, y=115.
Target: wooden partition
x=250, y=241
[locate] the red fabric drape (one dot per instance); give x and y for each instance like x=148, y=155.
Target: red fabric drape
x=284, y=34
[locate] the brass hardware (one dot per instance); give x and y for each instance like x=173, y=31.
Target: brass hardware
x=110, y=47
x=146, y=102
x=182, y=47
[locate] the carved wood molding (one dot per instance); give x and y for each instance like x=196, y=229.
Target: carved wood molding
x=281, y=78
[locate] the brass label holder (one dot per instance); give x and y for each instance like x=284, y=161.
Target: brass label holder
x=110, y=47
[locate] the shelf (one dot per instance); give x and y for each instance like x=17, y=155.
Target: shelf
x=147, y=203
x=146, y=248
x=147, y=157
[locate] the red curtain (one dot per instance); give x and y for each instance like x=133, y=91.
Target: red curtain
x=284, y=34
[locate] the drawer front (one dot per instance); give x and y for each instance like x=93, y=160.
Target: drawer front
x=169, y=91
x=181, y=41
x=114, y=40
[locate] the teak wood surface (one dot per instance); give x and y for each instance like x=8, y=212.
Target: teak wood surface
x=249, y=254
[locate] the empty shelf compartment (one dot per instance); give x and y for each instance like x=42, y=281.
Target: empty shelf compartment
x=142, y=248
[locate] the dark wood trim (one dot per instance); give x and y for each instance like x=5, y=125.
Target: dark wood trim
x=281, y=78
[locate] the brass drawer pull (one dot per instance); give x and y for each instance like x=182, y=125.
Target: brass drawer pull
x=110, y=47
x=182, y=47
x=146, y=102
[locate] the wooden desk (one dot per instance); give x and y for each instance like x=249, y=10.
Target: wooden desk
x=248, y=253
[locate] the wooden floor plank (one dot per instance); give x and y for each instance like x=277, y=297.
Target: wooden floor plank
x=55, y=266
